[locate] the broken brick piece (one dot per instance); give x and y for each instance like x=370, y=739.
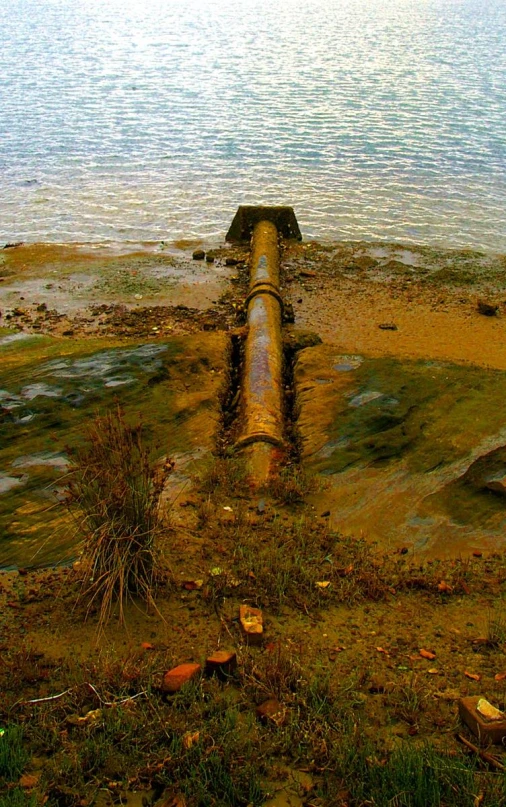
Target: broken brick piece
x=272, y=711
x=174, y=679
x=221, y=663
x=251, y=623
x=487, y=731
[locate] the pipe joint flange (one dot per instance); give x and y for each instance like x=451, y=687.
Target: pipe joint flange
x=264, y=288
x=259, y=437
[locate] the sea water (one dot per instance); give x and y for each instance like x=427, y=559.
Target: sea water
x=154, y=119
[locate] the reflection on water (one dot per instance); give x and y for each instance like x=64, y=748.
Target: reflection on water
x=134, y=120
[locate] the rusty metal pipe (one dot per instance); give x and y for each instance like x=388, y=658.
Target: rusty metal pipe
x=262, y=385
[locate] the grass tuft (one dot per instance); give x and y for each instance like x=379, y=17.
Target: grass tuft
x=13, y=756
x=116, y=487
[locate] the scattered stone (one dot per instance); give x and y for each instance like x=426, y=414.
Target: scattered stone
x=193, y=585
x=307, y=273
x=29, y=781
x=168, y=799
x=251, y=623
x=288, y=314
x=199, y=255
x=379, y=686
x=272, y=711
x=222, y=663
x=93, y=718
x=230, y=261
x=210, y=257
x=487, y=309
x=174, y=679
x=486, y=722
x=325, y=514
x=42, y=307
x=387, y=326
x=362, y=262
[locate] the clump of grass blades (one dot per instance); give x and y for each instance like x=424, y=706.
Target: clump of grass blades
x=116, y=487
x=18, y=798
x=13, y=756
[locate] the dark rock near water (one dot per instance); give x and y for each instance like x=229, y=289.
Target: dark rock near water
x=199, y=255
x=487, y=309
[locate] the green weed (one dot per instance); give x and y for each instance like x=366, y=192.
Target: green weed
x=13, y=756
x=17, y=798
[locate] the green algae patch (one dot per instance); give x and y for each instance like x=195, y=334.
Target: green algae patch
x=356, y=410
x=382, y=260
x=49, y=388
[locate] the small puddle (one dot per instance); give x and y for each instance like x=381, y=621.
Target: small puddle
x=51, y=459
x=365, y=397
x=40, y=391
x=347, y=363
x=16, y=337
x=8, y=483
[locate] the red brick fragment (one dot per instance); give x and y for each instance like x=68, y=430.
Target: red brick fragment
x=221, y=663
x=251, y=623
x=487, y=731
x=174, y=679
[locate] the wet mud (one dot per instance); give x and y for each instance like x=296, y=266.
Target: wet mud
x=398, y=412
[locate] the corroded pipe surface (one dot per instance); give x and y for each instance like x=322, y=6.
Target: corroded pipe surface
x=262, y=386
x=263, y=367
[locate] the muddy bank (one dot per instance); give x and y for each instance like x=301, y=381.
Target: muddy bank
x=393, y=412
x=81, y=290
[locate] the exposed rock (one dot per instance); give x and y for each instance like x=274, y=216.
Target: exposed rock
x=199, y=255
x=272, y=711
x=387, y=326
x=497, y=484
x=487, y=309
x=299, y=340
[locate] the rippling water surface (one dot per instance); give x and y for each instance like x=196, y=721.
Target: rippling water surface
x=148, y=119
